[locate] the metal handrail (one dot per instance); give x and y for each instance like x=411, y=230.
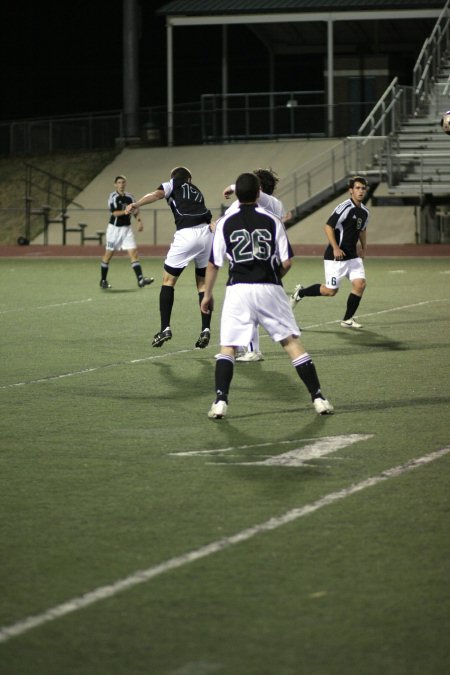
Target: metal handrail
x=427, y=64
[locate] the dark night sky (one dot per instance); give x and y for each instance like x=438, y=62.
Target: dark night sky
x=62, y=58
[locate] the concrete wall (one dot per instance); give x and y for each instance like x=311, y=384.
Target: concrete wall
x=213, y=167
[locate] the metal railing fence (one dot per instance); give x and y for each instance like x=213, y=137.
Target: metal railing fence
x=213, y=119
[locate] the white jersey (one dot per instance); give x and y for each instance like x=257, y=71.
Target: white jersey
x=268, y=202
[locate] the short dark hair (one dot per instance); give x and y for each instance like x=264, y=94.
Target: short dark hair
x=119, y=178
x=268, y=179
x=180, y=172
x=247, y=187
x=357, y=179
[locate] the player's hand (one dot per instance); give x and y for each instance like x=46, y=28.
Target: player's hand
x=338, y=254
x=129, y=209
x=207, y=305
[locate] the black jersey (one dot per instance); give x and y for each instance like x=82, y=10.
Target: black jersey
x=348, y=220
x=118, y=202
x=254, y=241
x=187, y=203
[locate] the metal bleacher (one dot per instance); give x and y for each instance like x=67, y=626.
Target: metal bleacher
x=400, y=144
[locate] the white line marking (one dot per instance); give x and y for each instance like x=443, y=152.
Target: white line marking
x=52, y=378
x=142, y=576
x=213, y=451
x=316, y=448
x=383, y=311
x=31, y=309
x=320, y=447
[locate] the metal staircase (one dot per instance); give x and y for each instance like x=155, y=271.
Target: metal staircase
x=400, y=143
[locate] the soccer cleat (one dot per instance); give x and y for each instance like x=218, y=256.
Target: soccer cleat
x=104, y=284
x=351, y=323
x=143, y=281
x=295, y=298
x=218, y=410
x=250, y=356
x=203, y=340
x=322, y=406
x=162, y=337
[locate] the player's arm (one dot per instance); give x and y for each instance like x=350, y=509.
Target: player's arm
x=228, y=191
x=285, y=267
x=337, y=252
x=207, y=304
x=146, y=199
x=363, y=243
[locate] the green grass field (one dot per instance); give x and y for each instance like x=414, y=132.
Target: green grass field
x=140, y=537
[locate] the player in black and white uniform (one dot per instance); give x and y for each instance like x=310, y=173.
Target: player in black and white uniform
x=256, y=246
x=120, y=235
x=345, y=228
x=268, y=181
x=192, y=241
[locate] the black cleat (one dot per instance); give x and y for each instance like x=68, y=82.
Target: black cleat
x=145, y=282
x=104, y=284
x=203, y=340
x=162, y=337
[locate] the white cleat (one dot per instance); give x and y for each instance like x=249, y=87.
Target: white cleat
x=295, y=298
x=250, y=356
x=218, y=410
x=323, y=407
x=350, y=323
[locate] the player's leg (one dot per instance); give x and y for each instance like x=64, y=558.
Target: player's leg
x=222, y=377
x=104, y=269
x=277, y=317
x=333, y=278
x=237, y=323
x=166, y=300
x=129, y=245
x=136, y=265
x=205, y=331
x=252, y=352
x=358, y=281
x=111, y=243
x=306, y=370
x=199, y=250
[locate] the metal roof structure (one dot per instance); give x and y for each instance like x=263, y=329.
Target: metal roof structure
x=329, y=27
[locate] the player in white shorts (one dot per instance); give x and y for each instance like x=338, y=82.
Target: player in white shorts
x=268, y=180
x=120, y=235
x=192, y=242
x=256, y=246
x=345, y=229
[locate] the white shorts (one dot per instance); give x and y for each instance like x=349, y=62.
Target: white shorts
x=336, y=270
x=247, y=305
x=120, y=238
x=190, y=243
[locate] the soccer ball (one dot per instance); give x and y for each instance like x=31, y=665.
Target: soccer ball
x=445, y=122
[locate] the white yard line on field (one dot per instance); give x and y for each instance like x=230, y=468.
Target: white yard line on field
x=31, y=309
x=53, y=378
x=142, y=576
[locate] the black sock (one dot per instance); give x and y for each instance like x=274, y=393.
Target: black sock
x=308, y=375
x=166, y=298
x=313, y=290
x=137, y=269
x=104, y=267
x=206, y=318
x=223, y=377
x=352, y=305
